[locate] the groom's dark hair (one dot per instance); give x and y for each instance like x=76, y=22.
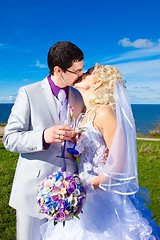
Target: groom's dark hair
x=63, y=54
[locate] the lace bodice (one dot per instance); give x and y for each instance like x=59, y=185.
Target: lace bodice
x=92, y=148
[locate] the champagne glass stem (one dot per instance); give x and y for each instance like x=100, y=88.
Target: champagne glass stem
x=63, y=149
x=63, y=166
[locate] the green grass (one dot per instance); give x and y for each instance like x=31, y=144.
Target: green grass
x=149, y=172
x=148, y=168
x=7, y=169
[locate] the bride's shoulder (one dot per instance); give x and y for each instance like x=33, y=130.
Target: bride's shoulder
x=105, y=112
x=105, y=117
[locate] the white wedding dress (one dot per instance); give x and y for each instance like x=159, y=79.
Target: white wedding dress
x=106, y=215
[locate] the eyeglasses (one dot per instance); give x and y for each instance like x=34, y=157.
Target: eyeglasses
x=76, y=73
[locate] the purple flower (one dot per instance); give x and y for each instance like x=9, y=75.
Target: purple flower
x=54, y=198
x=70, y=190
x=69, y=177
x=60, y=216
x=80, y=200
x=61, y=205
x=72, y=184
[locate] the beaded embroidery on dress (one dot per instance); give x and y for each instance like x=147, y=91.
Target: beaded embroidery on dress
x=92, y=148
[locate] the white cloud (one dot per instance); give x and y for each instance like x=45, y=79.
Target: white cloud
x=11, y=98
x=143, y=80
x=25, y=80
x=7, y=99
x=136, y=54
x=147, y=91
x=141, y=69
x=40, y=65
x=139, y=43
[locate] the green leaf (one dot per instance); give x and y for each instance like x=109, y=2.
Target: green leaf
x=76, y=216
x=78, y=160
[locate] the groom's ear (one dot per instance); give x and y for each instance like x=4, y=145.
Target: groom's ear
x=57, y=70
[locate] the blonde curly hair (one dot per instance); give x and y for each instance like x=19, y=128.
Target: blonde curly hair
x=103, y=89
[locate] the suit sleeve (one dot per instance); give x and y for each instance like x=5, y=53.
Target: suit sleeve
x=20, y=134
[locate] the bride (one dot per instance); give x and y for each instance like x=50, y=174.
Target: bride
x=114, y=208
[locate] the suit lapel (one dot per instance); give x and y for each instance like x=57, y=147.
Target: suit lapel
x=50, y=101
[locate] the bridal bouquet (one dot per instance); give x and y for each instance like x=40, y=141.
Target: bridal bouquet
x=61, y=196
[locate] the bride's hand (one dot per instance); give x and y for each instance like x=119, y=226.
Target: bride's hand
x=96, y=181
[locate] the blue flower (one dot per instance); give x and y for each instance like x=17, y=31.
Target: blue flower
x=67, y=205
x=48, y=201
x=59, y=176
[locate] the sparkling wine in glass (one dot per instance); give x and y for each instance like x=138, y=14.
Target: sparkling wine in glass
x=79, y=129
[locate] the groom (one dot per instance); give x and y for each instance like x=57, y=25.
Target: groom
x=36, y=130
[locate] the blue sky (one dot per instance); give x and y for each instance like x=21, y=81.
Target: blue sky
x=123, y=33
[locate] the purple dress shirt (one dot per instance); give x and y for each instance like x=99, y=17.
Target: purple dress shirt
x=55, y=90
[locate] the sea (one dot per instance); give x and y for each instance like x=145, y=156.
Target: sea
x=147, y=116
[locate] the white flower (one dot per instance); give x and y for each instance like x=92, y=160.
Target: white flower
x=77, y=192
x=48, y=183
x=72, y=200
x=58, y=183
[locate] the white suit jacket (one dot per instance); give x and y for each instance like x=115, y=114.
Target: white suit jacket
x=33, y=111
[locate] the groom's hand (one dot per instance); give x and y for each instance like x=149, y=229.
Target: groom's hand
x=58, y=133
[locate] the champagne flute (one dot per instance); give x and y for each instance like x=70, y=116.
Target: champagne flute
x=69, y=120
x=80, y=129
x=72, y=150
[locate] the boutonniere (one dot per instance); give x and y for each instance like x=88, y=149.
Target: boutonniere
x=70, y=116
